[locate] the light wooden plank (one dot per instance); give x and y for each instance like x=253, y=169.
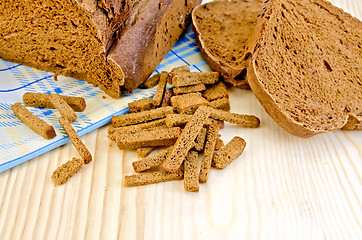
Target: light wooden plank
x=281, y=187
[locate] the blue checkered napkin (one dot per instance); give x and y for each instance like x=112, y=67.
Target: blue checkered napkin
x=18, y=143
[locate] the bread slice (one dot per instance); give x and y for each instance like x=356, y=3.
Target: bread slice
x=109, y=43
x=222, y=29
x=306, y=66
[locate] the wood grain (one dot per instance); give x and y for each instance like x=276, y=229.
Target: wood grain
x=281, y=187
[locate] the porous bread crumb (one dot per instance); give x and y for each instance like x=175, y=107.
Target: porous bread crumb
x=191, y=172
x=221, y=103
x=189, y=89
x=158, y=137
x=182, y=79
x=141, y=117
x=33, y=122
x=229, y=152
x=166, y=101
x=177, y=120
x=200, y=140
x=151, y=178
x=183, y=68
x=143, y=104
x=180, y=120
x=41, y=100
x=318, y=81
x=144, y=151
x=211, y=138
x=160, y=88
x=235, y=118
x=62, y=106
x=223, y=29
x=128, y=131
x=219, y=144
x=216, y=91
x=151, y=82
x=186, y=140
x=77, y=142
x=132, y=129
x=151, y=161
x=188, y=103
x=62, y=174
x=137, y=127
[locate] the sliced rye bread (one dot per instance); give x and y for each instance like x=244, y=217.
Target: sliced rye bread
x=93, y=40
x=222, y=29
x=306, y=66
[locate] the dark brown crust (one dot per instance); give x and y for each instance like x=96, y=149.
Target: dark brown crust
x=108, y=16
x=168, y=20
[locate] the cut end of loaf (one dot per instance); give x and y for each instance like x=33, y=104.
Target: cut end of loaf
x=306, y=65
x=59, y=37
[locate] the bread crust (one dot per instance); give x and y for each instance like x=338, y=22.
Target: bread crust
x=161, y=24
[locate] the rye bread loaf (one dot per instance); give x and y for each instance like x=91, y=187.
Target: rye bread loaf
x=222, y=29
x=306, y=65
x=112, y=44
x=151, y=31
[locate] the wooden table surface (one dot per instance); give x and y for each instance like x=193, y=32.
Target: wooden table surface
x=281, y=187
